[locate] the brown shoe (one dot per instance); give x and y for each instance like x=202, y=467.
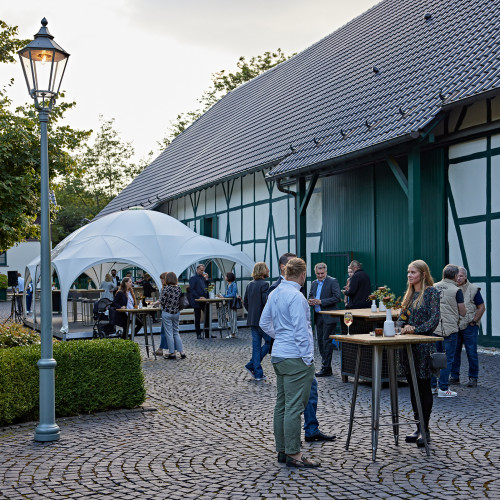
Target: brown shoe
x=303, y=462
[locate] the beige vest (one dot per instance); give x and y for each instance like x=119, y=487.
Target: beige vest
x=470, y=291
x=450, y=317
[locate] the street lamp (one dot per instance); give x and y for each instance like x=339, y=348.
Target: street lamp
x=43, y=62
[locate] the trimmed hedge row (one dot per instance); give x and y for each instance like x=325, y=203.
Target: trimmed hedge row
x=91, y=375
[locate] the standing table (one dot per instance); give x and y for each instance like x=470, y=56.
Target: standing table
x=218, y=301
x=131, y=317
x=377, y=344
x=364, y=320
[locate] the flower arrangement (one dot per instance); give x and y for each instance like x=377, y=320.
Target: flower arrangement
x=383, y=294
x=211, y=287
x=3, y=282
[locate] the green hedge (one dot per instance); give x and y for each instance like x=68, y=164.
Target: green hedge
x=91, y=375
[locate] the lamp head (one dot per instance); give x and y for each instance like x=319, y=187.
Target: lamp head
x=43, y=62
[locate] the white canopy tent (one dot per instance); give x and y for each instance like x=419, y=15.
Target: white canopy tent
x=150, y=240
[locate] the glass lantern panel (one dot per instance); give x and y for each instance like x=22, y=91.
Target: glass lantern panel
x=43, y=63
x=28, y=74
x=58, y=74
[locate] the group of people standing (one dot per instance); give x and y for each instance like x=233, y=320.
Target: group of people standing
x=280, y=319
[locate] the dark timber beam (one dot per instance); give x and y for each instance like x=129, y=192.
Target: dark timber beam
x=398, y=173
x=301, y=202
x=414, y=205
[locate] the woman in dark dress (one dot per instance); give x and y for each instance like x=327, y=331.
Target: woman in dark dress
x=420, y=315
x=125, y=299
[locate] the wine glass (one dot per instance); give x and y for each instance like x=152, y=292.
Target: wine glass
x=348, y=320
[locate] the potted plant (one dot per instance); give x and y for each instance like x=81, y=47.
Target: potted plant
x=3, y=287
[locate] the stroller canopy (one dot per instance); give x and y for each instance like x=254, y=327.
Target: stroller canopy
x=150, y=240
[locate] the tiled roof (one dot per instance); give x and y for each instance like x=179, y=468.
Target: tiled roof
x=376, y=80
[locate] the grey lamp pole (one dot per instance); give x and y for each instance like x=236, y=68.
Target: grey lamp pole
x=44, y=62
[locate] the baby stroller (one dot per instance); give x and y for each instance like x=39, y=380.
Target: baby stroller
x=103, y=320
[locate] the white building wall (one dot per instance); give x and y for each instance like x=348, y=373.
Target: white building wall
x=19, y=256
x=260, y=219
x=474, y=223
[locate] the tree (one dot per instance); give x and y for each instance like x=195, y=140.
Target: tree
x=20, y=154
x=103, y=169
x=222, y=83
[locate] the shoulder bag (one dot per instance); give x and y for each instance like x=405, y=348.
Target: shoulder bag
x=235, y=303
x=183, y=302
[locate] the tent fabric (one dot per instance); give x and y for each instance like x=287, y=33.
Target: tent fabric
x=152, y=241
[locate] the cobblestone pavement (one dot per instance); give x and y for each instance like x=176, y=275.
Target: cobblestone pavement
x=206, y=432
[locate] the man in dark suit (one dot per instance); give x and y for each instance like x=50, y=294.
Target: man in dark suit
x=359, y=287
x=198, y=288
x=311, y=424
x=324, y=296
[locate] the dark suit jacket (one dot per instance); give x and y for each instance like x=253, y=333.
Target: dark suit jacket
x=277, y=283
x=119, y=301
x=359, y=290
x=330, y=296
x=255, y=300
x=197, y=286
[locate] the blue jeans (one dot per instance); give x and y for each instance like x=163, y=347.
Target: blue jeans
x=170, y=323
x=311, y=424
x=467, y=338
x=258, y=350
x=163, y=338
x=449, y=346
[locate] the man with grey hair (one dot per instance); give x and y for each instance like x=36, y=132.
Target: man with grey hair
x=452, y=308
x=469, y=329
x=324, y=296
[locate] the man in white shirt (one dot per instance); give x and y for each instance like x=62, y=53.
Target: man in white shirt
x=20, y=290
x=287, y=319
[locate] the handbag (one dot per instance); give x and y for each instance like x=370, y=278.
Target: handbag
x=183, y=302
x=439, y=361
x=235, y=303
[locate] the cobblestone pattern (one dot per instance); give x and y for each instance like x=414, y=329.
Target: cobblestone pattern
x=206, y=432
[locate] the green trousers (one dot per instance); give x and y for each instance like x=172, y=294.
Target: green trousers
x=293, y=384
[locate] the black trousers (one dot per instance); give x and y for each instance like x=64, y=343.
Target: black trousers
x=426, y=398
x=197, y=320
x=325, y=346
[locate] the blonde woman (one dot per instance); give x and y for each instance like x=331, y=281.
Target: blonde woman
x=420, y=313
x=108, y=287
x=254, y=302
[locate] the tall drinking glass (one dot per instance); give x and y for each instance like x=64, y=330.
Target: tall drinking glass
x=348, y=320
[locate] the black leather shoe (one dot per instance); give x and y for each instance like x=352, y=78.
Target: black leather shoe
x=281, y=457
x=420, y=440
x=303, y=462
x=319, y=436
x=324, y=373
x=412, y=438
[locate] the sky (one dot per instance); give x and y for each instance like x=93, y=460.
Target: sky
x=142, y=62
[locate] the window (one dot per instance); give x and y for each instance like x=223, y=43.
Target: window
x=3, y=258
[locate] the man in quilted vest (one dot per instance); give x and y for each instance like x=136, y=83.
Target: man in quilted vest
x=469, y=329
x=452, y=308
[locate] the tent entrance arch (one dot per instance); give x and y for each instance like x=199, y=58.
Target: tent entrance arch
x=147, y=239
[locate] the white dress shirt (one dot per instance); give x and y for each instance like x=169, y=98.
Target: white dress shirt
x=287, y=319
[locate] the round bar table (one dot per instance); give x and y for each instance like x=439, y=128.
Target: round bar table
x=378, y=344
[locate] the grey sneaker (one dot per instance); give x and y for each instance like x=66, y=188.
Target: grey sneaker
x=472, y=382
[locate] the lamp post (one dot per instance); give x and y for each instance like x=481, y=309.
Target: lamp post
x=43, y=62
